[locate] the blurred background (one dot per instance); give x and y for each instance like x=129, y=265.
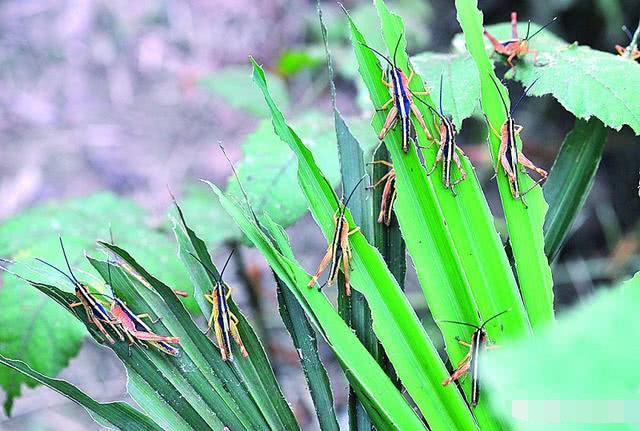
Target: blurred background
x=131, y=97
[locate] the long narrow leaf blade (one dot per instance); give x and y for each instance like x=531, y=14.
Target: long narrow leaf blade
x=389, y=409
x=352, y=170
x=394, y=321
x=117, y=415
x=570, y=181
x=255, y=371
x=524, y=224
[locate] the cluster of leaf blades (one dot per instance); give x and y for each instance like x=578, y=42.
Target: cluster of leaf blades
x=460, y=261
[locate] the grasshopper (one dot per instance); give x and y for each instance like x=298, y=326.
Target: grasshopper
x=401, y=98
x=133, y=326
x=339, y=251
x=631, y=51
x=509, y=156
x=136, y=330
x=97, y=314
x=515, y=47
x=389, y=192
x=222, y=320
x=479, y=343
x=447, y=149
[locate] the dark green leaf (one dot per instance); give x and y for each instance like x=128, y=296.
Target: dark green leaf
x=255, y=371
x=116, y=414
x=570, y=181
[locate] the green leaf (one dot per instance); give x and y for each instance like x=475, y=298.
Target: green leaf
x=461, y=84
x=524, y=224
x=255, y=371
x=587, y=82
x=36, y=330
x=202, y=214
x=570, y=181
x=385, y=404
x=233, y=85
x=583, y=358
x=116, y=414
x=353, y=308
x=196, y=388
x=34, y=234
x=268, y=169
x=293, y=61
x=394, y=321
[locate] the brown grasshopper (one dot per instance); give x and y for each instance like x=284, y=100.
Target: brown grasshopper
x=389, y=192
x=222, y=320
x=515, y=47
x=448, y=150
x=97, y=314
x=339, y=250
x=508, y=155
x=471, y=362
x=402, y=100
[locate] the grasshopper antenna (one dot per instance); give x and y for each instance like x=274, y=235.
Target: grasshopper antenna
x=66, y=259
x=71, y=278
x=627, y=32
x=378, y=52
x=429, y=106
x=395, y=51
x=500, y=93
x=351, y=194
x=460, y=323
x=441, y=111
x=493, y=317
x=524, y=93
x=217, y=278
x=542, y=28
x=528, y=29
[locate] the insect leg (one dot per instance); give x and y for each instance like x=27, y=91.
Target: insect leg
x=438, y=158
x=236, y=335
x=345, y=269
x=462, y=370
x=386, y=105
x=323, y=264
x=463, y=174
x=420, y=119
x=391, y=117
x=524, y=161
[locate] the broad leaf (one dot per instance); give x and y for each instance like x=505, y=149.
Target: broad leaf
x=461, y=84
x=268, y=169
x=587, y=82
x=583, y=359
x=233, y=85
x=34, y=233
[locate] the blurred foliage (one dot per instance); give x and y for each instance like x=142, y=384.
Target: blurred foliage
x=583, y=358
x=233, y=85
x=42, y=334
